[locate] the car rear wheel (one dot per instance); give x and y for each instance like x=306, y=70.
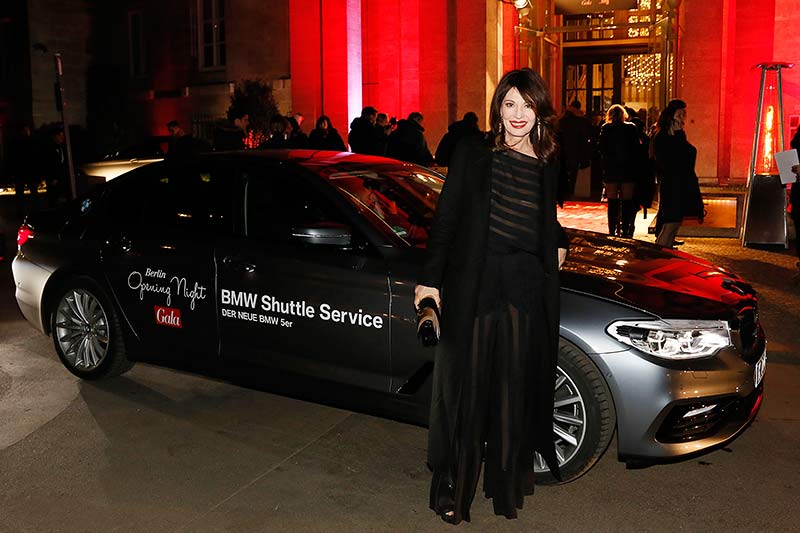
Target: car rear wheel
x=583, y=417
x=86, y=332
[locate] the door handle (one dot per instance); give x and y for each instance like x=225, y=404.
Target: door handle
x=237, y=263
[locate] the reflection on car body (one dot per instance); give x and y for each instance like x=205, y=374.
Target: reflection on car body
x=306, y=261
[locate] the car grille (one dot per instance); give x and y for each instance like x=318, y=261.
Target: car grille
x=680, y=428
x=747, y=334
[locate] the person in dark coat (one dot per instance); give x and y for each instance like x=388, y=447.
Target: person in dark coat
x=491, y=264
x=297, y=137
x=362, y=137
x=325, y=137
x=182, y=146
x=231, y=135
x=619, y=147
x=383, y=128
x=644, y=177
x=279, y=132
x=575, y=140
x=794, y=198
x=466, y=127
x=407, y=142
x=55, y=166
x=679, y=190
x=23, y=165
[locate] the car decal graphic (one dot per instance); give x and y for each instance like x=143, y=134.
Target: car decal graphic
x=168, y=316
x=250, y=307
x=155, y=281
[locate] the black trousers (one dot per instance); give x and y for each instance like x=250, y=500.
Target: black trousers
x=494, y=425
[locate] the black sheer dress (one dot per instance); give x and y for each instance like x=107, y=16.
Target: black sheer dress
x=494, y=425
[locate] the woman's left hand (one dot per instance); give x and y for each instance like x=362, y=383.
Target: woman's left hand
x=562, y=256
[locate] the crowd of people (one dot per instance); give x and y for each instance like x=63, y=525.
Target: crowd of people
x=634, y=161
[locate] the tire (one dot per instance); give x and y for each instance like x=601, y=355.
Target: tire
x=583, y=418
x=86, y=331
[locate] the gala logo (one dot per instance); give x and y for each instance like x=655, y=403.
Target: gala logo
x=168, y=316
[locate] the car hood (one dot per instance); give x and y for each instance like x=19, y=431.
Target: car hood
x=658, y=280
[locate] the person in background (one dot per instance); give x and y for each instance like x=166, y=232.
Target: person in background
x=362, y=138
x=383, y=128
x=491, y=265
x=466, y=127
x=619, y=145
x=679, y=190
x=22, y=166
x=575, y=140
x=325, y=137
x=297, y=138
x=180, y=144
x=231, y=134
x=644, y=185
x=408, y=143
x=55, y=166
x=794, y=198
x=280, y=130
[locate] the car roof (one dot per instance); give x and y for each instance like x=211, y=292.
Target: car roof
x=321, y=157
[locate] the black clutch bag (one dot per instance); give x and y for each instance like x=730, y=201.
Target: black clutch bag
x=428, y=322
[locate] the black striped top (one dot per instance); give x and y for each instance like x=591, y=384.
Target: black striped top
x=515, y=221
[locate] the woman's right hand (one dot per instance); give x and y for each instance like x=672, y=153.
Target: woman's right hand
x=421, y=292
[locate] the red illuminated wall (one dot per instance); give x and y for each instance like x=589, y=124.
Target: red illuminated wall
x=413, y=56
x=721, y=42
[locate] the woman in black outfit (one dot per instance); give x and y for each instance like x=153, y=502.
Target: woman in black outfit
x=679, y=190
x=492, y=265
x=325, y=137
x=794, y=198
x=619, y=147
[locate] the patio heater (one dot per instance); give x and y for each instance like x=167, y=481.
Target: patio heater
x=765, y=206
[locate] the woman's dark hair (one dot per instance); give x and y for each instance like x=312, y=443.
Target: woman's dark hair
x=533, y=90
x=321, y=119
x=668, y=113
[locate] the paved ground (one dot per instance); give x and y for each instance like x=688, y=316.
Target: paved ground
x=168, y=450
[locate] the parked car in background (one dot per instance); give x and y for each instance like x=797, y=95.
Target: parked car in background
x=306, y=261
x=126, y=158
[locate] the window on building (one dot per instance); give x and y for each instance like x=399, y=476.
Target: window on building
x=211, y=22
x=136, y=44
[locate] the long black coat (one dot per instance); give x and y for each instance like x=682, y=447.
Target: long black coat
x=619, y=147
x=679, y=190
x=455, y=258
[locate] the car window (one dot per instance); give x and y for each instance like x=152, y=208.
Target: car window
x=189, y=198
x=277, y=201
x=402, y=198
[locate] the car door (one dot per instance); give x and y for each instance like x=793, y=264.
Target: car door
x=164, y=223
x=295, y=301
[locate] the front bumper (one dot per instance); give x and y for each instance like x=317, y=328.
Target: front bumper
x=665, y=412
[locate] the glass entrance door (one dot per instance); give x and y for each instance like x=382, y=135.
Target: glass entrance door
x=595, y=85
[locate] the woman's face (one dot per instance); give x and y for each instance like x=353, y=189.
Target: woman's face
x=517, y=114
x=679, y=119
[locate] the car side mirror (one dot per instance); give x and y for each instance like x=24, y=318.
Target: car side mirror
x=325, y=233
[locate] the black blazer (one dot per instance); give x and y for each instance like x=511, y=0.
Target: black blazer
x=455, y=257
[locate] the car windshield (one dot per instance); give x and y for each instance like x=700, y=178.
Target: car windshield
x=401, y=198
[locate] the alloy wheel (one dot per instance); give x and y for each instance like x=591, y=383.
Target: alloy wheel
x=569, y=421
x=81, y=329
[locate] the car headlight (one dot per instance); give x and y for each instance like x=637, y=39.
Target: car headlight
x=673, y=339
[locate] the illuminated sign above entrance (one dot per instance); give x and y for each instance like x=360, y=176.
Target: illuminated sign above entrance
x=576, y=7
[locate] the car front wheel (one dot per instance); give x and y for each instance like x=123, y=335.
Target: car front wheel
x=86, y=331
x=583, y=417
